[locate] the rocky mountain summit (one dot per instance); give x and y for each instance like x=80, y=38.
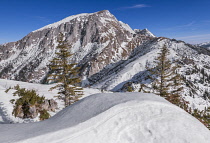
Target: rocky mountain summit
x=97, y=39
x=109, y=53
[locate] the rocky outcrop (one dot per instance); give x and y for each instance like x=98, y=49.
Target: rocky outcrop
x=49, y=105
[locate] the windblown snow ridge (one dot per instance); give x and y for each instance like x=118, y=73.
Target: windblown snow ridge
x=113, y=118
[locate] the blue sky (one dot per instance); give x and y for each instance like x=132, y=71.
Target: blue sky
x=187, y=20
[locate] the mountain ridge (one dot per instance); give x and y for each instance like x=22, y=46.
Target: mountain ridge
x=69, y=18
x=205, y=45
x=102, y=31
x=109, y=53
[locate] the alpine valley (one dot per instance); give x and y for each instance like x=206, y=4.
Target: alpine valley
x=111, y=55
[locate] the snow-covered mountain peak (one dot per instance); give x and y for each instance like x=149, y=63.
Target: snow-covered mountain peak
x=94, y=37
x=104, y=12
x=145, y=32
x=56, y=24
x=79, y=17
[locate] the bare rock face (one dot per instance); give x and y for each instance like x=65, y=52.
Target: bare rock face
x=33, y=112
x=49, y=105
x=53, y=105
x=97, y=39
x=20, y=113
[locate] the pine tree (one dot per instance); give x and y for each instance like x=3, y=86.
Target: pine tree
x=65, y=74
x=161, y=72
x=166, y=81
x=176, y=88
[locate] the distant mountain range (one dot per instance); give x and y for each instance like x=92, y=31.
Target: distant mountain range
x=205, y=45
x=111, y=55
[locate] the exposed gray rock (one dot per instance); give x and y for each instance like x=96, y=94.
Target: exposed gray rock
x=45, y=105
x=20, y=112
x=49, y=105
x=33, y=112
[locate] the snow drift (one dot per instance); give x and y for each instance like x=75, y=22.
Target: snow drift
x=112, y=118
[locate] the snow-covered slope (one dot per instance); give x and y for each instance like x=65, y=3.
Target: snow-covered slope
x=112, y=118
x=194, y=63
x=6, y=107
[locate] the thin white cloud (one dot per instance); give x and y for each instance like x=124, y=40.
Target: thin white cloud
x=193, y=36
x=136, y=6
x=139, y=6
x=195, y=39
x=188, y=25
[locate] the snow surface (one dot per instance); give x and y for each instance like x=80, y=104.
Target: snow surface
x=56, y=24
x=112, y=118
x=6, y=107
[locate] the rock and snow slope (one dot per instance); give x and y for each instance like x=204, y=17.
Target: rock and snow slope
x=98, y=39
x=112, y=118
x=109, y=53
x=6, y=107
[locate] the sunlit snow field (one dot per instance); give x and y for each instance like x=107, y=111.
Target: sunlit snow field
x=103, y=118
